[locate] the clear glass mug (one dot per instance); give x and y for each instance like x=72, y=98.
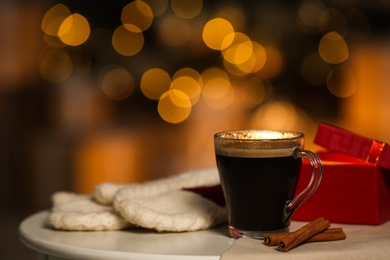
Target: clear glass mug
x=259, y=172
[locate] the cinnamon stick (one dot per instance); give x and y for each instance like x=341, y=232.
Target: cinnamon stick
x=329, y=234
x=273, y=239
x=307, y=231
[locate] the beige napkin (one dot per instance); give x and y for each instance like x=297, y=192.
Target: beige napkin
x=168, y=204
x=363, y=242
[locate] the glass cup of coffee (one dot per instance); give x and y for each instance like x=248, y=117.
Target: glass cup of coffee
x=259, y=172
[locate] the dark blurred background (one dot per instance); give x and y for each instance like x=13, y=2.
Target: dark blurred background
x=131, y=91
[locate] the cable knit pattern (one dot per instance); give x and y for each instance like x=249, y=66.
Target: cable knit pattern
x=174, y=211
x=161, y=205
x=60, y=198
x=104, y=193
x=79, y=212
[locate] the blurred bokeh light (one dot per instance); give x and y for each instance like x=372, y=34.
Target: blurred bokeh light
x=137, y=14
x=129, y=91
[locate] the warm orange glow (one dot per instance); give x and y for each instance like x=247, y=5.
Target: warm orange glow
x=309, y=16
x=217, y=90
x=255, y=91
x=154, y=83
x=333, y=49
x=53, y=19
x=341, y=81
x=276, y=115
x=127, y=43
x=106, y=157
x=56, y=66
x=218, y=34
x=53, y=41
x=314, y=70
x=74, y=30
x=137, y=14
x=174, y=106
x=273, y=63
x=189, y=86
x=158, y=6
x=215, y=82
x=255, y=62
x=117, y=83
x=240, y=50
x=233, y=69
x=189, y=72
x=223, y=102
x=187, y=8
x=174, y=31
x=259, y=57
x=235, y=14
x=367, y=111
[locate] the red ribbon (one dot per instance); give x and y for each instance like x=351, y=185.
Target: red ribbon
x=375, y=152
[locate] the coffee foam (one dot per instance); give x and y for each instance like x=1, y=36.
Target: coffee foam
x=255, y=153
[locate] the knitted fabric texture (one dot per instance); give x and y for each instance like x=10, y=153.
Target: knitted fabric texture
x=104, y=193
x=80, y=213
x=161, y=205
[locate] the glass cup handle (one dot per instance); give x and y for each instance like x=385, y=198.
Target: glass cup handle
x=316, y=175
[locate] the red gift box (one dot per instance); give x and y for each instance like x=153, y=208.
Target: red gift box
x=351, y=191
x=341, y=140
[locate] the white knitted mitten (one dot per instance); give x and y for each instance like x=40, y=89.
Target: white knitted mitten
x=186, y=202
x=166, y=205
x=104, y=193
x=78, y=212
x=176, y=211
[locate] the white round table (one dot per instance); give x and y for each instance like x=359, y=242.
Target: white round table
x=143, y=244
x=363, y=242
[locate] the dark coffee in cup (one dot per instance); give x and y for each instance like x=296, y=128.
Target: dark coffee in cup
x=259, y=172
x=258, y=188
